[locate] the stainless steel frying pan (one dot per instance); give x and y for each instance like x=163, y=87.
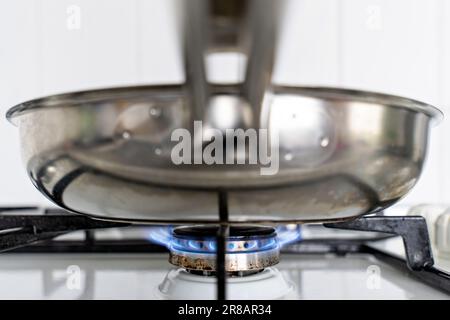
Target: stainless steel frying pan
x=108, y=153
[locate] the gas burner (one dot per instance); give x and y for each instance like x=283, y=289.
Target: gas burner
x=250, y=253
x=249, y=249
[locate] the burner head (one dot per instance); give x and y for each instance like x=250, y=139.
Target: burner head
x=248, y=249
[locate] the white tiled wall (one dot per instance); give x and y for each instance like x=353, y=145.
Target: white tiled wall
x=394, y=46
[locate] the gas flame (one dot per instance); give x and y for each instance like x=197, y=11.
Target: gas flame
x=162, y=235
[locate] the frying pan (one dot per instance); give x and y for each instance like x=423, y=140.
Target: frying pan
x=108, y=153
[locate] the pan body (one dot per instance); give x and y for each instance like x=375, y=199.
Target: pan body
x=109, y=154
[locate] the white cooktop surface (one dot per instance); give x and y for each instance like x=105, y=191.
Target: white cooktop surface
x=137, y=276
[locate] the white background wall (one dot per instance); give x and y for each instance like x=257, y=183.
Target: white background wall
x=393, y=46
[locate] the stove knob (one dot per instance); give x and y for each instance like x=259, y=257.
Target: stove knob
x=443, y=234
x=430, y=212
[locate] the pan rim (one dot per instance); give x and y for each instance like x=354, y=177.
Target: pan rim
x=71, y=99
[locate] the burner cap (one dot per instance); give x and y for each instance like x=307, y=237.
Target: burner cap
x=234, y=231
x=248, y=248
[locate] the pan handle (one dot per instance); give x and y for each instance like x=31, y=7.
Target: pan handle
x=195, y=34
x=261, y=33
x=243, y=26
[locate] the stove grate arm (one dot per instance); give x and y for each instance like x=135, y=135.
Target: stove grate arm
x=413, y=230
x=21, y=230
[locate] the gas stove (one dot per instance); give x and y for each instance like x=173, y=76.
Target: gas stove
x=211, y=186
x=53, y=254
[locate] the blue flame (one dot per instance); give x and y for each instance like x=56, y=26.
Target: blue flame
x=212, y=246
x=287, y=234
x=162, y=235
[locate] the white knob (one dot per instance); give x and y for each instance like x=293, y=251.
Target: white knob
x=443, y=234
x=430, y=212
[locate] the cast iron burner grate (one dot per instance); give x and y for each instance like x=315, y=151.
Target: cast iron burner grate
x=18, y=230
